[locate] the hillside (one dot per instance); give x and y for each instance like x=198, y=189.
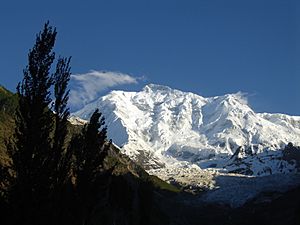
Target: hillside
x=121, y=163
x=8, y=103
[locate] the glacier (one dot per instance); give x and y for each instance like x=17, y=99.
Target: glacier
x=181, y=136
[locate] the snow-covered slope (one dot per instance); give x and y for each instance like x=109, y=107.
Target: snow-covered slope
x=163, y=128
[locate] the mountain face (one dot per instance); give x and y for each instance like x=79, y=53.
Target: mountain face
x=165, y=129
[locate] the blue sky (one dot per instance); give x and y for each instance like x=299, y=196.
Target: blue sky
x=209, y=47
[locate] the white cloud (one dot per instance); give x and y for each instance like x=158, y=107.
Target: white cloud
x=86, y=87
x=242, y=97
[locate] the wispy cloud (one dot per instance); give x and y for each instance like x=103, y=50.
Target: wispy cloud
x=242, y=97
x=86, y=87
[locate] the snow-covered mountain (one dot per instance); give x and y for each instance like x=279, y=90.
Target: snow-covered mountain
x=165, y=129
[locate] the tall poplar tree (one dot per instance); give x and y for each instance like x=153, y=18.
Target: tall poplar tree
x=90, y=149
x=61, y=156
x=33, y=128
x=40, y=161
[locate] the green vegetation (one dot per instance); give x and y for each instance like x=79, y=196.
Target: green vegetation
x=8, y=104
x=158, y=183
x=121, y=165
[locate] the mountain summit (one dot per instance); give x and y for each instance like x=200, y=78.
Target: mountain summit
x=163, y=128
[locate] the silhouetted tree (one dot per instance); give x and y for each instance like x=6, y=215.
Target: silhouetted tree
x=90, y=149
x=34, y=124
x=61, y=156
x=54, y=181
x=60, y=162
x=40, y=160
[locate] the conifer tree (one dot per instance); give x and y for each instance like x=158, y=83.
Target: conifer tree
x=40, y=161
x=61, y=156
x=40, y=155
x=90, y=149
x=89, y=158
x=33, y=128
